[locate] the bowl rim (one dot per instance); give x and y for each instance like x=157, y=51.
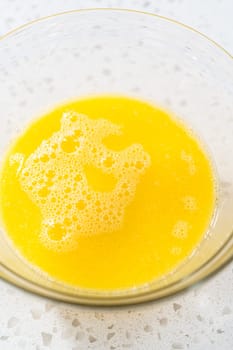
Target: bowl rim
x=141, y=296
x=112, y=9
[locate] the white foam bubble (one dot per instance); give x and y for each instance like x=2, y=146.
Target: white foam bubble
x=180, y=229
x=190, y=162
x=54, y=178
x=176, y=250
x=190, y=203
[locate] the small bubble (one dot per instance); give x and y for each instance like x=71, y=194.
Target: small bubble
x=67, y=222
x=43, y=192
x=73, y=118
x=69, y=145
x=125, y=185
x=139, y=165
x=56, y=232
x=81, y=205
x=176, y=250
x=50, y=174
x=108, y=162
x=44, y=158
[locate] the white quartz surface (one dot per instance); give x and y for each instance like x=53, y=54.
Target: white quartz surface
x=200, y=318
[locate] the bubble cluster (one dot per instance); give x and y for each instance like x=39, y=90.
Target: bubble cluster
x=190, y=203
x=176, y=250
x=180, y=229
x=54, y=178
x=190, y=162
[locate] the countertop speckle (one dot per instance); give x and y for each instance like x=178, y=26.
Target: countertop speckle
x=200, y=318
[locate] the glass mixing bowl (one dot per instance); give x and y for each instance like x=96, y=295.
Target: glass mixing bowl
x=111, y=51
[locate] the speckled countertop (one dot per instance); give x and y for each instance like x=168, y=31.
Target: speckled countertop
x=200, y=318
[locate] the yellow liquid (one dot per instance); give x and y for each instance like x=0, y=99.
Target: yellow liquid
x=106, y=192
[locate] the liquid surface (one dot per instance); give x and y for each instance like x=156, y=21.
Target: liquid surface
x=106, y=193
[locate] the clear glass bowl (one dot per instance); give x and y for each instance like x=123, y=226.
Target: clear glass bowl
x=112, y=51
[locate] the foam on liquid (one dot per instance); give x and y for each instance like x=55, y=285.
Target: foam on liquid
x=54, y=177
